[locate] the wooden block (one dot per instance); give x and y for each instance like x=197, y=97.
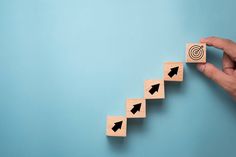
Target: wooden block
x=116, y=126
x=154, y=89
x=173, y=71
x=135, y=108
x=195, y=53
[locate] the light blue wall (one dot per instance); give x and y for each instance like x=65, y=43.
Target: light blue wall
x=67, y=64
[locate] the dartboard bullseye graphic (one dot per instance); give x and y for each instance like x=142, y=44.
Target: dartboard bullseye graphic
x=196, y=52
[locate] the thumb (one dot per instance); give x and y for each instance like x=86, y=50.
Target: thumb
x=215, y=74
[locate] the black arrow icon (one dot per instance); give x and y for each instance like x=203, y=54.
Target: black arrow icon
x=136, y=108
x=154, y=88
x=117, y=126
x=173, y=71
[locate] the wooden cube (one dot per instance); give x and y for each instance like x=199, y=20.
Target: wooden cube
x=116, y=126
x=135, y=108
x=196, y=53
x=154, y=89
x=173, y=71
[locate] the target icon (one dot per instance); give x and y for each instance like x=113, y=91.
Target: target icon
x=196, y=52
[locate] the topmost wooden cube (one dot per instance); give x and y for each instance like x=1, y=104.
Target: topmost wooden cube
x=196, y=53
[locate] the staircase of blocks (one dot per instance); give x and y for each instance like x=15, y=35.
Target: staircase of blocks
x=154, y=89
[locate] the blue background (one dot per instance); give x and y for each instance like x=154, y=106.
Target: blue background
x=67, y=64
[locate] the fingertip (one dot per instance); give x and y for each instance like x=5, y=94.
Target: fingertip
x=203, y=40
x=206, y=40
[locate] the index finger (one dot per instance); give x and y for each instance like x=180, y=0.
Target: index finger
x=228, y=46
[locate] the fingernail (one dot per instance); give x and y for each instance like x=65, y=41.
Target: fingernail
x=200, y=67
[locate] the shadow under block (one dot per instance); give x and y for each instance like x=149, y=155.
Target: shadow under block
x=195, y=53
x=116, y=126
x=136, y=108
x=173, y=71
x=154, y=89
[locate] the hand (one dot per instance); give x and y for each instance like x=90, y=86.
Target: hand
x=227, y=77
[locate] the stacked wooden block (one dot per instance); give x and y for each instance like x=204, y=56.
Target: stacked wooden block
x=154, y=89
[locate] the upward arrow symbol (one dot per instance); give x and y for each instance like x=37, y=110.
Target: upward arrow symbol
x=173, y=71
x=136, y=108
x=154, y=88
x=117, y=126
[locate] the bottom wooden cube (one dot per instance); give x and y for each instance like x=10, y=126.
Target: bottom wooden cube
x=116, y=126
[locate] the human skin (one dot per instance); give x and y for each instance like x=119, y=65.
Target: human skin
x=226, y=78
